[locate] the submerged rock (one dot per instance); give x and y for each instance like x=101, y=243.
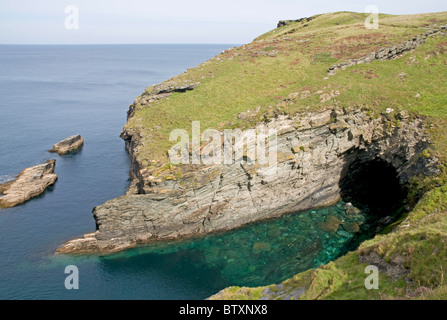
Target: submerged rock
x=30, y=183
x=331, y=224
x=351, y=210
x=259, y=247
x=344, y=234
x=351, y=227
x=68, y=145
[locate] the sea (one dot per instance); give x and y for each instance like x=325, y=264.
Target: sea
x=50, y=92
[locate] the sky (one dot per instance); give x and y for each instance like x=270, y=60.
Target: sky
x=169, y=21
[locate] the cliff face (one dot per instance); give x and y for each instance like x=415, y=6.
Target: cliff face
x=317, y=149
x=307, y=80
x=314, y=153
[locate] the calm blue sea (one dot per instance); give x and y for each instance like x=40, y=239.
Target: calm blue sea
x=48, y=93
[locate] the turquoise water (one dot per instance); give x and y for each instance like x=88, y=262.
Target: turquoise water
x=260, y=254
x=48, y=93
x=266, y=252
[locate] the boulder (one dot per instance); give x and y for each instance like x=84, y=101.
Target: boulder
x=351, y=227
x=68, y=145
x=351, y=210
x=30, y=183
x=331, y=224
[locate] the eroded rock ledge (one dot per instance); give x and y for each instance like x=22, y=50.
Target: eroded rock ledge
x=159, y=92
x=315, y=151
x=30, y=183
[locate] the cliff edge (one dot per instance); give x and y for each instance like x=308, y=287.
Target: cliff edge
x=338, y=96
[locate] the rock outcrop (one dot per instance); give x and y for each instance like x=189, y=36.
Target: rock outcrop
x=314, y=152
x=391, y=52
x=283, y=23
x=159, y=92
x=70, y=144
x=30, y=183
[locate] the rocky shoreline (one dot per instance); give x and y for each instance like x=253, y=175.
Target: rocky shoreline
x=315, y=151
x=30, y=183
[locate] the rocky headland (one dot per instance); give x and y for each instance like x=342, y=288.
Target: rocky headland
x=374, y=132
x=316, y=152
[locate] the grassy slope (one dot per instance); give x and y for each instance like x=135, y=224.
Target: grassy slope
x=285, y=70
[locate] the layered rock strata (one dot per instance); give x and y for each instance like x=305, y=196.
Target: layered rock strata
x=70, y=144
x=314, y=152
x=30, y=183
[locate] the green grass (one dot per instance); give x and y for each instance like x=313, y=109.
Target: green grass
x=423, y=248
x=343, y=279
x=250, y=76
x=243, y=78
x=325, y=57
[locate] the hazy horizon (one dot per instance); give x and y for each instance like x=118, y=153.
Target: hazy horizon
x=44, y=22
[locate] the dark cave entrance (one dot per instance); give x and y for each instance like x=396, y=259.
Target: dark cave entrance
x=372, y=185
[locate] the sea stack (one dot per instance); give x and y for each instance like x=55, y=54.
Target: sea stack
x=30, y=183
x=68, y=145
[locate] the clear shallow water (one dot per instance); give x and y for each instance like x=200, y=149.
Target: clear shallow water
x=48, y=93
x=263, y=253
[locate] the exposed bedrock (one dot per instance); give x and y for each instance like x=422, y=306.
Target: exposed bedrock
x=68, y=145
x=318, y=156
x=30, y=183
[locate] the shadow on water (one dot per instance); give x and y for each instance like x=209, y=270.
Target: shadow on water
x=373, y=184
x=270, y=252
x=263, y=253
x=259, y=254
x=98, y=95
x=73, y=153
x=76, y=90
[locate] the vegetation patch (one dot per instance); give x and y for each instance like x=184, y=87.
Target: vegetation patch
x=294, y=81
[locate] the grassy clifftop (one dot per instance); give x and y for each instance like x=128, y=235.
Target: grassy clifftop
x=286, y=71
